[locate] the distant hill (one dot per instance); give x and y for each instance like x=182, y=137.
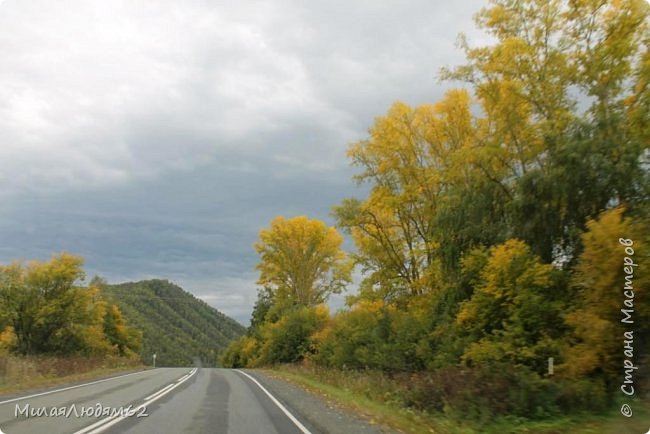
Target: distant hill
x=181, y=329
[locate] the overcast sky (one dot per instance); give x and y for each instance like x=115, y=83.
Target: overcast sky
x=155, y=138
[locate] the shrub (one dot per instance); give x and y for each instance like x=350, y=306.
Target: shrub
x=583, y=394
x=289, y=339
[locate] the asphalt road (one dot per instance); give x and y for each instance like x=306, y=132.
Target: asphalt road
x=174, y=400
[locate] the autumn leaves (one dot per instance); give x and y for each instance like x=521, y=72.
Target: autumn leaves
x=44, y=310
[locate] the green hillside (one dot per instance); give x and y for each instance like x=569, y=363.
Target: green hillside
x=181, y=329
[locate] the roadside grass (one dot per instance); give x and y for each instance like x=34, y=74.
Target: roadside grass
x=374, y=411
x=371, y=395
x=18, y=373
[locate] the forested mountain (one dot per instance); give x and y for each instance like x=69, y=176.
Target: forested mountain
x=178, y=327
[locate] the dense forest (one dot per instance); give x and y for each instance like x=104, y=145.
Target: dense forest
x=504, y=242
x=179, y=328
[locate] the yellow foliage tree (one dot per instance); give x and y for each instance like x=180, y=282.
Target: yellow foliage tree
x=46, y=311
x=514, y=313
x=301, y=261
x=414, y=156
x=604, y=289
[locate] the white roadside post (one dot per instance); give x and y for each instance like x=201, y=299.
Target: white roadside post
x=154, y=360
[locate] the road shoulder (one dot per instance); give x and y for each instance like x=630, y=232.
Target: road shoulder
x=51, y=384
x=323, y=414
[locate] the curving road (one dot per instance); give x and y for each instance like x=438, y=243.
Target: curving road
x=175, y=400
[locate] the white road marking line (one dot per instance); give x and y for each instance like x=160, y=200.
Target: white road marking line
x=160, y=391
x=108, y=422
x=71, y=387
x=183, y=377
x=95, y=425
x=300, y=426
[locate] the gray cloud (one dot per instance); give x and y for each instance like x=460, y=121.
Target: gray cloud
x=156, y=138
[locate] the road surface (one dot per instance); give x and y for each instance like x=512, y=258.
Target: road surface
x=174, y=400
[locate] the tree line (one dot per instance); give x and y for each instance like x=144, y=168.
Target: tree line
x=493, y=238
x=46, y=310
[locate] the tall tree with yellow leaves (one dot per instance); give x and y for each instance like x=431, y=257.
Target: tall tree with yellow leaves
x=301, y=261
x=416, y=160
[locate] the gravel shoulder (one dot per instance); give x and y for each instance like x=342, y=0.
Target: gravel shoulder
x=323, y=415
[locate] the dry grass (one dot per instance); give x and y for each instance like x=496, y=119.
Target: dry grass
x=386, y=398
x=19, y=373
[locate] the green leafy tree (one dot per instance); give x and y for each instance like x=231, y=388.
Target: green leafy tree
x=290, y=339
x=514, y=314
x=115, y=329
x=563, y=93
x=262, y=306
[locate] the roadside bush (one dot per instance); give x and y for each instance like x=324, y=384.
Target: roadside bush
x=421, y=391
x=241, y=353
x=371, y=336
x=484, y=393
x=351, y=338
x=290, y=339
x=583, y=394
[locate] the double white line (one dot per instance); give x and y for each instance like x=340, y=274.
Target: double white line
x=108, y=422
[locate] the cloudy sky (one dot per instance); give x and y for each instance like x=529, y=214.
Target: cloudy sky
x=155, y=138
